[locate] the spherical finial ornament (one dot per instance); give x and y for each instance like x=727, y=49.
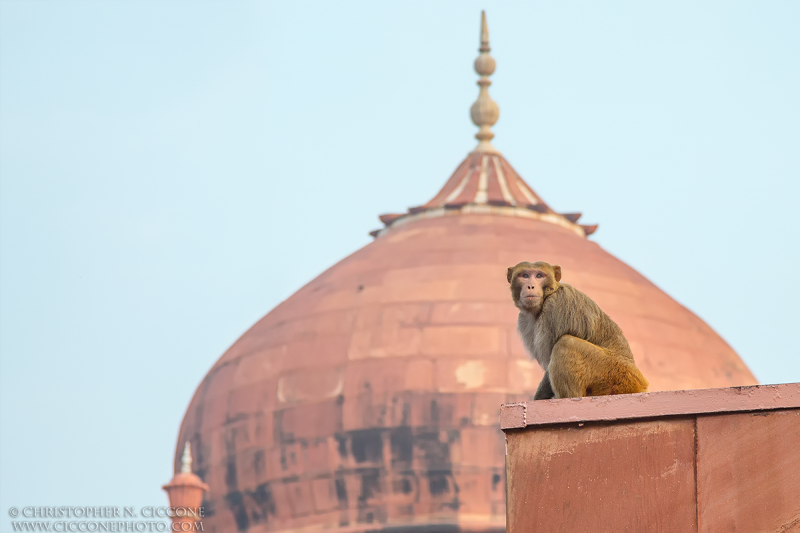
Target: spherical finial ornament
x=484, y=111
x=485, y=65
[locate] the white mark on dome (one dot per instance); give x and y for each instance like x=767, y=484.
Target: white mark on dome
x=501, y=179
x=471, y=374
x=482, y=196
x=526, y=191
x=457, y=191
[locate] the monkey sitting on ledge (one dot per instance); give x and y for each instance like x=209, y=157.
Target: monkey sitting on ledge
x=582, y=351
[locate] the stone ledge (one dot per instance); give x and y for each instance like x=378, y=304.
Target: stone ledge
x=650, y=405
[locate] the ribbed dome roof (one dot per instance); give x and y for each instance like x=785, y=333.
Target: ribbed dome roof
x=369, y=399
x=486, y=183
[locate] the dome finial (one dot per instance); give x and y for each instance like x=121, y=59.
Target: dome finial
x=186, y=459
x=484, y=111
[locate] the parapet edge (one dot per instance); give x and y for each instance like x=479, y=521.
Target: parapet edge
x=650, y=405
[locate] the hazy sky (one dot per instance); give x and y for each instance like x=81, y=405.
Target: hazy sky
x=172, y=170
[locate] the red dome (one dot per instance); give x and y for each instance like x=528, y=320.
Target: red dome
x=369, y=399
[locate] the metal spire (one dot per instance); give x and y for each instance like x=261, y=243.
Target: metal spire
x=484, y=111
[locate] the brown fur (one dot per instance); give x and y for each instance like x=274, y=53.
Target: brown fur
x=582, y=351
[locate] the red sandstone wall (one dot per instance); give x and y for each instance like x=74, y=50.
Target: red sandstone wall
x=656, y=462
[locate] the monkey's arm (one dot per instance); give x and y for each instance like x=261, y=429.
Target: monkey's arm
x=545, y=390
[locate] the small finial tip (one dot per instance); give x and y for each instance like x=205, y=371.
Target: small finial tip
x=186, y=459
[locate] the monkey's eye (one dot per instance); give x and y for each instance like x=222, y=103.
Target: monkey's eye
x=525, y=275
x=539, y=275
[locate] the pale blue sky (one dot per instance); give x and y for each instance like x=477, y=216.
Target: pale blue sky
x=172, y=170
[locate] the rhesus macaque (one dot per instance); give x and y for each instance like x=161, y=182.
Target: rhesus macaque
x=582, y=351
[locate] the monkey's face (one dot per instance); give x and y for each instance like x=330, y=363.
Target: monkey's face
x=531, y=283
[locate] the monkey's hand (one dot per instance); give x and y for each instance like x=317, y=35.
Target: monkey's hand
x=545, y=390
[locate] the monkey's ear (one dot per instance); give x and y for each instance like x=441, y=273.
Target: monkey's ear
x=508, y=273
x=557, y=272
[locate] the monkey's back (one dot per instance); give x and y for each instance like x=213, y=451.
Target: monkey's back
x=569, y=311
